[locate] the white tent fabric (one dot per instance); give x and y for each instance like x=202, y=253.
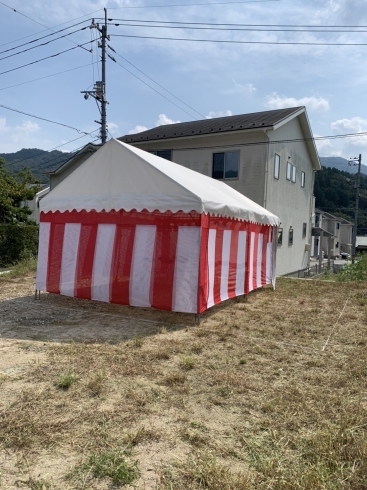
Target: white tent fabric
x=119, y=176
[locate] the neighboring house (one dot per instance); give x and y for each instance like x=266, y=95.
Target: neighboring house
x=270, y=157
x=361, y=244
x=331, y=235
x=59, y=174
x=33, y=204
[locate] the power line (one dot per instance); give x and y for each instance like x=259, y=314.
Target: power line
x=48, y=76
x=52, y=149
x=46, y=58
x=41, y=118
x=42, y=37
x=36, y=21
x=237, y=42
x=49, y=28
x=258, y=143
x=185, y=25
x=190, y=4
x=240, y=25
x=155, y=90
x=136, y=68
x=42, y=44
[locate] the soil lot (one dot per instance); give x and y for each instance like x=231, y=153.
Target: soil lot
x=268, y=392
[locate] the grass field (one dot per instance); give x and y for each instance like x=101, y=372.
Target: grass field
x=268, y=392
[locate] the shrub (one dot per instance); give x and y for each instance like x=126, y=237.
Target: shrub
x=16, y=241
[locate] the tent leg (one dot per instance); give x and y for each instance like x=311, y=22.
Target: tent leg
x=197, y=319
x=37, y=294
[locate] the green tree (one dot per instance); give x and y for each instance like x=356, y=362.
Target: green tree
x=13, y=193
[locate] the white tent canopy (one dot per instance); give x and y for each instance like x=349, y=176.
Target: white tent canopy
x=119, y=176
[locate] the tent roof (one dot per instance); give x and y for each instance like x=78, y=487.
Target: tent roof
x=119, y=176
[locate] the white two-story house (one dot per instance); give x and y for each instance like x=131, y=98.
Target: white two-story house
x=268, y=156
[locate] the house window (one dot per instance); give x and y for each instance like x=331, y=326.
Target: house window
x=338, y=226
x=276, y=166
x=290, y=237
x=166, y=154
x=294, y=172
x=289, y=170
x=225, y=165
x=304, y=230
x=280, y=236
x=303, y=178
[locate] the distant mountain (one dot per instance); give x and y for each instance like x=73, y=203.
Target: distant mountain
x=38, y=161
x=341, y=164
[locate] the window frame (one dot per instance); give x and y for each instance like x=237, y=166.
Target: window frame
x=294, y=174
x=155, y=152
x=303, y=179
x=304, y=230
x=276, y=166
x=280, y=237
x=290, y=237
x=238, y=152
x=288, y=174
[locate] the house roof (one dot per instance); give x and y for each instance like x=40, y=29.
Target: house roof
x=88, y=148
x=241, y=122
x=120, y=176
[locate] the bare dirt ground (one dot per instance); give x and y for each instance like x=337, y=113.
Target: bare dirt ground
x=270, y=391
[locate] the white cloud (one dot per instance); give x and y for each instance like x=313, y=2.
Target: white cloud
x=350, y=126
x=162, y=120
x=138, y=129
x=314, y=104
x=244, y=88
x=218, y=114
x=113, y=128
x=24, y=135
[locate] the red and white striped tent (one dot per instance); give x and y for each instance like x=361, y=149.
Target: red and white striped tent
x=131, y=228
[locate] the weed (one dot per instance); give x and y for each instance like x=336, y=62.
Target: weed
x=110, y=464
x=39, y=484
x=175, y=379
x=64, y=381
x=200, y=471
x=187, y=363
x=3, y=377
x=197, y=348
x=138, y=341
x=97, y=384
x=243, y=361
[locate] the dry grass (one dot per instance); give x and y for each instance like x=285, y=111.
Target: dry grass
x=247, y=400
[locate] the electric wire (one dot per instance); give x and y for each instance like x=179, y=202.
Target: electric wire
x=227, y=29
x=159, y=85
x=40, y=38
x=36, y=21
x=308, y=26
x=43, y=44
x=47, y=76
x=189, y=4
x=46, y=58
x=41, y=118
x=49, y=28
x=237, y=42
x=257, y=143
x=155, y=90
x=52, y=149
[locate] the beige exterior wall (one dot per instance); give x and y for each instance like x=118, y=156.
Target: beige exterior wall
x=292, y=203
x=197, y=154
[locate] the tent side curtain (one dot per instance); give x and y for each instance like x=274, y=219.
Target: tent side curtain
x=184, y=262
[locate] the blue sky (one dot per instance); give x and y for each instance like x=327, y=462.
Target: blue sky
x=213, y=79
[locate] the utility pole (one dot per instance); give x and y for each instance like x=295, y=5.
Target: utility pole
x=354, y=238
x=99, y=88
